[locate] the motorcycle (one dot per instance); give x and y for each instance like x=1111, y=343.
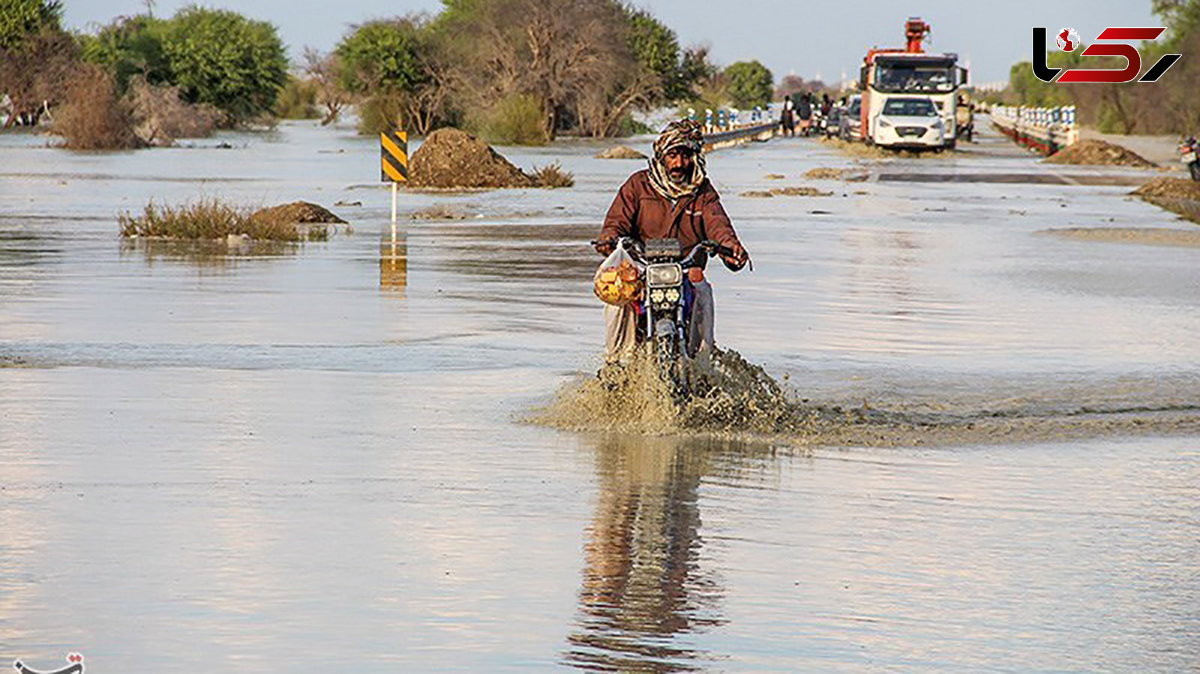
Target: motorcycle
x=1187, y=155
x=665, y=314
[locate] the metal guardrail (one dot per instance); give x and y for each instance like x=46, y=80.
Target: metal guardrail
x=725, y=128
x=1045, y=130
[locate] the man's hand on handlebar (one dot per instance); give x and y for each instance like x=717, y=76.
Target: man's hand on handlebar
x=736, y=257
x=605, y=246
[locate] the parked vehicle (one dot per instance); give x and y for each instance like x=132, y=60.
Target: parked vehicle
x=833, y=123
x=851, y=124
x=1187, y=154
x=666, y=300
x=911, y=122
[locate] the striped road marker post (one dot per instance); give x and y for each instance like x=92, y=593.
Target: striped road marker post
x=393, y=162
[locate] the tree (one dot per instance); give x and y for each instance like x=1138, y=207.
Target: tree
x=35, y=74
x=129, y=47
x=21, y=19
x=226, y=60
x=380, y=57
x=322, y=70
x=555, y=51
x=750, y=84
x=397, y=68
x=656, y=50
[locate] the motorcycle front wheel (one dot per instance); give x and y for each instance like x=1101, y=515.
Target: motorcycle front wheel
x=669, y=355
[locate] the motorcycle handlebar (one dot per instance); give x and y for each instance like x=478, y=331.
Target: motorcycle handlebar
x=708, y=246
x=712, y=247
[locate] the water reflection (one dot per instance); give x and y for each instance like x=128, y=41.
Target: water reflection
x=213, y=256
x=393, y=264
x=645, y=588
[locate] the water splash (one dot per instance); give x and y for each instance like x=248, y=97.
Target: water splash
x=728, y=395
x=733, y=397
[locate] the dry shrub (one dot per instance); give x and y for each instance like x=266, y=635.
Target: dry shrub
x=209, y=219
x=161, y=117
x=93, y=118
x=552, y=175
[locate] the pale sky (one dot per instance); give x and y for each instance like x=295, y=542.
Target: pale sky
x=807, y=38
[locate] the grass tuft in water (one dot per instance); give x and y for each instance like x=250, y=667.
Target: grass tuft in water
x=211, y=219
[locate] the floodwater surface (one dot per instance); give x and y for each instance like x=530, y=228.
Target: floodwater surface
x=318, y=457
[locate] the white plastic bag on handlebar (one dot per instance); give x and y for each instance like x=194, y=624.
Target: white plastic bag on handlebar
x=618, y=281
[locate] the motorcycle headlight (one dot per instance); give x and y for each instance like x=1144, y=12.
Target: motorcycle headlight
x=658, y=275
x=673, y=295
x=656, y=296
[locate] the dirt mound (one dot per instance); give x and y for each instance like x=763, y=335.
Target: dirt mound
x=1148, y=236
x=297, y=212
x=621, y=152
x=450, y=159
x=860, y=149
x=1099, y=153
x=1172, y=188
x=1177, y=195
x=826, y=173
x=787, y=192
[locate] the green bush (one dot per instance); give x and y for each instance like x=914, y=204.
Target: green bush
x=628, y=126
x=224, y=59
x=379, y=113
x=379, y=57
x=21, y=18
x=297, y=100
x=750, y=84
x=130, y=47
x=516, y=120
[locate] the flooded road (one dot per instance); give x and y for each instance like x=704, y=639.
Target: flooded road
x=314, y=457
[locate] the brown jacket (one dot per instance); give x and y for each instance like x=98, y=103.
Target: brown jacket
x=642, y=213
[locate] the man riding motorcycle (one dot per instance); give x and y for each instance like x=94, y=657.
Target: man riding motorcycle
x=673, y=198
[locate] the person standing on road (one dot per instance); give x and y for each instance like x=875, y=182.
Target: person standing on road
x=804, y=112
x=674, y=199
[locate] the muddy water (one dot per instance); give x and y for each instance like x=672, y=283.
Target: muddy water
x=315, y=457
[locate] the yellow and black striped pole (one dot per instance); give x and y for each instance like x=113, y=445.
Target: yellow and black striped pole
x=393, y=163
x=393, y=156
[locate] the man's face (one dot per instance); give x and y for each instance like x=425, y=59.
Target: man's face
x=678, y=161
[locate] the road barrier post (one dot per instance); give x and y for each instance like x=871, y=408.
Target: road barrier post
x=393, y=162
